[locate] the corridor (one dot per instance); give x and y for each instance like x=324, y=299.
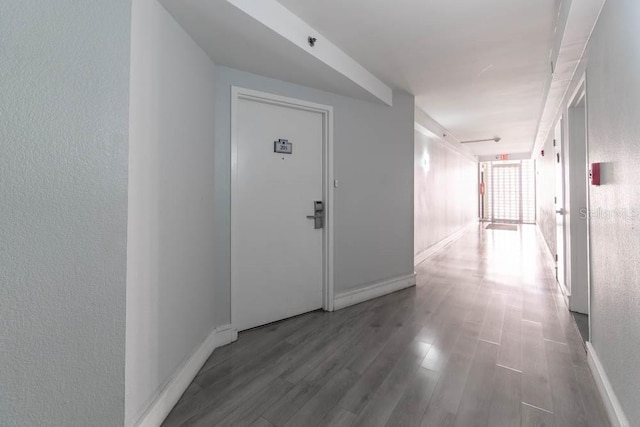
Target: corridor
x=484, y=339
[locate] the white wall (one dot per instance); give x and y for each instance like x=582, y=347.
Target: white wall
x=170, y=275
x=545, y=193
x=446, y=191
x=64, y=70
x=373, y=146
x=612, y=64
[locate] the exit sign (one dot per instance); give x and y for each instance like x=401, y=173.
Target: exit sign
x=502, y=157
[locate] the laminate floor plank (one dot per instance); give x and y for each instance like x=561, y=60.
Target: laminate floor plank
x=535, y=417
x=289, y=404
x=413, y=403
x=338, y=417
x=254, y=340
x=370, y=380
x=492, y=326
x=506, y=399
x=314, y=411
x=446, y=397
x=476, y=398
x=536, y=390
x=512, y=320
x=484, y=339
x=251, y=410
x=596, y=414
x=567, y=401
x=216, y=394
x=379, y=409
x=261, y=422
x=510, y=353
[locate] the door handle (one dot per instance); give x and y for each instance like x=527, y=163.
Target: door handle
x=318, y=215
x=560, y=211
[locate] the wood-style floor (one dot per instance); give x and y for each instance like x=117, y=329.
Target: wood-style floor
x=483, y=340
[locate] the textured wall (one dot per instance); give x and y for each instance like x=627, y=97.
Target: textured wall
x=612, y=65
x=63, y=211
x=613, y=97
x=373, y=146
x=170, y=275
x=446, y=191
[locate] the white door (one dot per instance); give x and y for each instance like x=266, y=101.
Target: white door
x=560, y=208
x=277, y=264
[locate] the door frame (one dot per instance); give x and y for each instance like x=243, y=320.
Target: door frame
x=238, y=93
x=559, y=154
x=580, y=95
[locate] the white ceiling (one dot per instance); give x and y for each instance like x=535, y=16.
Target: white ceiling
x=234, y=39
x=479, y=68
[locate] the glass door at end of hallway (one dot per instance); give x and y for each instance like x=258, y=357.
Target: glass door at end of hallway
x=508, y=191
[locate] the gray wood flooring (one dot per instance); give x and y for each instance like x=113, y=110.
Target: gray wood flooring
x=484, y=339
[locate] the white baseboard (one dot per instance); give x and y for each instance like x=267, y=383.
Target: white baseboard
x=611, y=402
x=374, y=290
x=437, y=247
x=169, y=395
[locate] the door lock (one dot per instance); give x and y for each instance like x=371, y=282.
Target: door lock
x=318, y=215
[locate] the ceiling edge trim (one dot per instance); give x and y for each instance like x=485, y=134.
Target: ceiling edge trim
x=282, y=21
x=554, y=109
x=427, y=126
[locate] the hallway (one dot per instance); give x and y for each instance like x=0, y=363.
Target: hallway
x=484, y=339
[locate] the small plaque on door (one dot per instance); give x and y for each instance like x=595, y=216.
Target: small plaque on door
x=283, y=146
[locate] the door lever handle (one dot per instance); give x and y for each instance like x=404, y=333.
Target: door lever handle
x=318, y=217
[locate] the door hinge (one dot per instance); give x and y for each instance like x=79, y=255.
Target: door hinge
x=554, y=142
x=556, y=257
x=555, y=200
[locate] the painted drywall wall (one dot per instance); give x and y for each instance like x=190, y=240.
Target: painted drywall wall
x=170, y=274
x=446, y=191
x=373, y=146
x=63, y=211
x=545, y=193
x=612, y=64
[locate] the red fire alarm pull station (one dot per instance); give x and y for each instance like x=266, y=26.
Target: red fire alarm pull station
x=594, y=174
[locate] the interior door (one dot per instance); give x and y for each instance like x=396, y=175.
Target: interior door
x=560, y=206
x=277, y=266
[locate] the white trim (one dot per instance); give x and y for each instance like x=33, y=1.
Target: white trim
x=611, y=402
x=437, y=247
x=282, y=21
x=327, y=113
x=374, y=290
x=169, y=395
